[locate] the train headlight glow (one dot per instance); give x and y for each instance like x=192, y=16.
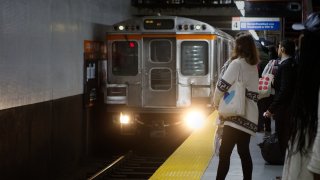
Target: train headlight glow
x=121, y=27
x=198, y=27
x=195, y=119
x=124, y=118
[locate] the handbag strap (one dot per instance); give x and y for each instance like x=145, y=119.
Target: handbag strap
x=270, y=70
x=240, y=73
x=275, y=66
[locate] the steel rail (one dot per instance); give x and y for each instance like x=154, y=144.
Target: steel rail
x=106, y=168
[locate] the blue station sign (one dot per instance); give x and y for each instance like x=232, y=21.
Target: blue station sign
x=250, y=23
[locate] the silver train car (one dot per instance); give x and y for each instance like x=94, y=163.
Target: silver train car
x=162, y=70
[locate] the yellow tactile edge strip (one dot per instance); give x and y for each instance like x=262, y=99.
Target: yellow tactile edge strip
x=192, y=158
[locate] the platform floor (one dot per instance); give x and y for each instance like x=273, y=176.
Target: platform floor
x=195, y=158
x=261, y=170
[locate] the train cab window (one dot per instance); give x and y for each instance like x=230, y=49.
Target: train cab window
x=160, y=50
x=125, y=58
x=194, y=58
x=160, y=79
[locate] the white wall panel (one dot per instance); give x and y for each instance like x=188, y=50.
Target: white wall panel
x=41, y=45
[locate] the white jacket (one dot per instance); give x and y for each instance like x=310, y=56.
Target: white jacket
x=314, y=164
x=249, y=74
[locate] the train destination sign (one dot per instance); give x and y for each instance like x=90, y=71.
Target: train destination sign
x=163, y=24
x=254, y=23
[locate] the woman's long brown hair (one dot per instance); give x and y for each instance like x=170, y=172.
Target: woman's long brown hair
x=245, y=48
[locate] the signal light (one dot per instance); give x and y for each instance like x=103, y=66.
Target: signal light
x=204, y=27
x=132, y=45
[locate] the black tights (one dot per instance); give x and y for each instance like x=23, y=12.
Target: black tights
x=230, y=138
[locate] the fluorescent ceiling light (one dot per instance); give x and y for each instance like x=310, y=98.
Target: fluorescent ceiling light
x=240, y=6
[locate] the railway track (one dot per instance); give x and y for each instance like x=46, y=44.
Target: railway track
x=130, y=166
x=129, y=157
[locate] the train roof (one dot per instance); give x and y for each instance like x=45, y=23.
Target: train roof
x=165, y=24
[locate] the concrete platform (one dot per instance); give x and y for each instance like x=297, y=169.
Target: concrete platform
x=195, y=158
x=261, y=170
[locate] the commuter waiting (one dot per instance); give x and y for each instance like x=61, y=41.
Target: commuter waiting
x=238, y=130
x=283, y=83
x=264, y=123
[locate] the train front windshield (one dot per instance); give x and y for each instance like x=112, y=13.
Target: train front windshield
x=125, y=58
x=194, y=58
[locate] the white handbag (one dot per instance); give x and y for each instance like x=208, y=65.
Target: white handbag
x=264, y=87
x=233, y=101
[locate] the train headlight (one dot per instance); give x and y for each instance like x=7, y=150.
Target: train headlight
x=195, y=119
x=198, y=27
x=124, y=118
x=121, y=28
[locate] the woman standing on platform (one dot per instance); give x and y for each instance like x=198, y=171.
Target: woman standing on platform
x=303, y=154
x=238, y=129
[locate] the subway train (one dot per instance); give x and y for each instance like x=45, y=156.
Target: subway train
x=162, y=71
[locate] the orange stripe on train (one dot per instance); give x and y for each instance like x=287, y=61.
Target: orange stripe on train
x=177, y=36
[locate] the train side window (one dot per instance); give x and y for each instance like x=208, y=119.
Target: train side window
x=194, y=58
x=125, y=58
x=161, y=51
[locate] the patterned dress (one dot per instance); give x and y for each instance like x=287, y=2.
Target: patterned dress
x=248, y=122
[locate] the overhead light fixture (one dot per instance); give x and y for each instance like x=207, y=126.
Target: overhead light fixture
x=240, y=7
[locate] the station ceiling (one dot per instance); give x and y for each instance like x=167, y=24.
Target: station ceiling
x=220, y=15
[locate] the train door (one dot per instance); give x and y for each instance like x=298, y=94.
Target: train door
x=159, y=72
